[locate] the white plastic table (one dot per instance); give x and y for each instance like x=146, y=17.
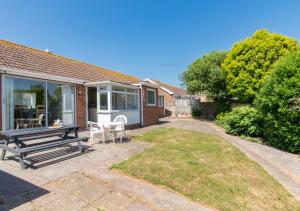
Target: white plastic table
x=111, y=126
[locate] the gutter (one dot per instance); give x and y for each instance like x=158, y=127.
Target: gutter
x=142, y=105
x=110, y=82
x=31, y=74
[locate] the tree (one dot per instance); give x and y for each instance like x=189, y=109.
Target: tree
x=205, y=76
x=278, y=102
x=250, y=61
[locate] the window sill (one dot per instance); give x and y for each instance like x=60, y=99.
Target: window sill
x=116, y=111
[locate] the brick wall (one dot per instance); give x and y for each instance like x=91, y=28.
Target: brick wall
x=81, y=106
x=151, y=113
x=168, y=102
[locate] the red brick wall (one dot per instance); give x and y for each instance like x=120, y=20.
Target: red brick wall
x=80, y=106
x=168, y=101
x=168, y=97
x=151, y=113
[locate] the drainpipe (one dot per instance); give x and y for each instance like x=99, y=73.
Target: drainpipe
x=142, y=105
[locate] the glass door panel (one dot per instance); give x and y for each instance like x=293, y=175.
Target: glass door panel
x=54, y=103
x=25, y=103
x=68, y=104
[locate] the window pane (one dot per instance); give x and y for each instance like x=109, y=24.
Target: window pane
x=55, y=99
x=25, y=103
x=150, y=97
x=68, y=94
x=118, y=88
x=161, y=101
x=132, y=90
x=132, y=102
x=103, y=87
x=103, y=101
x=118, y=101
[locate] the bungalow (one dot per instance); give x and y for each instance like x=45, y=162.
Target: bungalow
x=38, y=87
x=167, y=95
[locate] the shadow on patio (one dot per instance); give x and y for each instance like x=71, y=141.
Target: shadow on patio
x=42, y=159
x=15, y=191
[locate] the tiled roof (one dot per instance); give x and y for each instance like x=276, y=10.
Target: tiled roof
x=28, y=59
x=174, y=89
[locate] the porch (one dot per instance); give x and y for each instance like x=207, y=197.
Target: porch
x=107, y=100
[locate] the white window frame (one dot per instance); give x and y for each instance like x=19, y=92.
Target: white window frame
x=4, y=98
x=99, y=92
x=161, y=101
x=64, y=100
x=126, y=94
x=151, y=104
x=109, y=90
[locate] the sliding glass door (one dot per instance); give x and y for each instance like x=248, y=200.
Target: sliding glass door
x=34, y=103
x=68, y=104
x=60, y=103
x=25, y=103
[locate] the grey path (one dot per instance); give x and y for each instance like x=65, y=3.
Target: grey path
x=85, y=182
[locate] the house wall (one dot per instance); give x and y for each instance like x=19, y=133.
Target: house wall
x=133, y=116
x=151, y=114
x=81, y=106
x=169, y=107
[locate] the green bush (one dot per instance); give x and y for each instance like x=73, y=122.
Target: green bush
x=243, y=120
x=278, y=101
x=196, y=111
x=251, y=60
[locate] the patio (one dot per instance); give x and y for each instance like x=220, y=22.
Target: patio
x=64, y=179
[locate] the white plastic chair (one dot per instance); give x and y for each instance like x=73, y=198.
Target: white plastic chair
x=120, y=128
x=95, y=128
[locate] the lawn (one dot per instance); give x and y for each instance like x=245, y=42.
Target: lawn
x=207, y=169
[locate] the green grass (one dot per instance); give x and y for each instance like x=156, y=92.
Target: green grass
x=207, y=169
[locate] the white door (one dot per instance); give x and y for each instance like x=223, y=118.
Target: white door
x=68, y=104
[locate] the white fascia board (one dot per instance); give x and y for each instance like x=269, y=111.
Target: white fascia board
x=163, y=88
x=167, y=90
x=99, y=83
x=144, y=83
x=45, y=76
x=150, y=81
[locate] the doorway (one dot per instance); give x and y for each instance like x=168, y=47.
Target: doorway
x=92, y=104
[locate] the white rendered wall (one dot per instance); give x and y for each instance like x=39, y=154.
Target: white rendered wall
x=133, y=116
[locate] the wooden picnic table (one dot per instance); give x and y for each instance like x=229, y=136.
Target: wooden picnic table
x=19, y=137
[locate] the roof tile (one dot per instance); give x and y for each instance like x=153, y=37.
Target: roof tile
x=17, y=56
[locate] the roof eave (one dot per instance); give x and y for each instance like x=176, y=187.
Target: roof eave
x=33, y=74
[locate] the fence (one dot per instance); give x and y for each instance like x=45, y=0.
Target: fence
x=182, y=107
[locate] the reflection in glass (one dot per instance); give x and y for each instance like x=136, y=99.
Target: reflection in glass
x=25, y=103
x=54, y=102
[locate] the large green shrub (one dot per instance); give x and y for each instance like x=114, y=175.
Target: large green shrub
x=196, y=111
x=251, y=60
x=205, y=76
x=279, y=103
x=243, y=120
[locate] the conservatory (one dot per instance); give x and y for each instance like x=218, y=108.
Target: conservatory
x=106, y=100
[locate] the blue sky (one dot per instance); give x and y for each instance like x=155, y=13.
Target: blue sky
x=147, y=38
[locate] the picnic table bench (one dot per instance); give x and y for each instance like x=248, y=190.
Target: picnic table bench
x=21, y=149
